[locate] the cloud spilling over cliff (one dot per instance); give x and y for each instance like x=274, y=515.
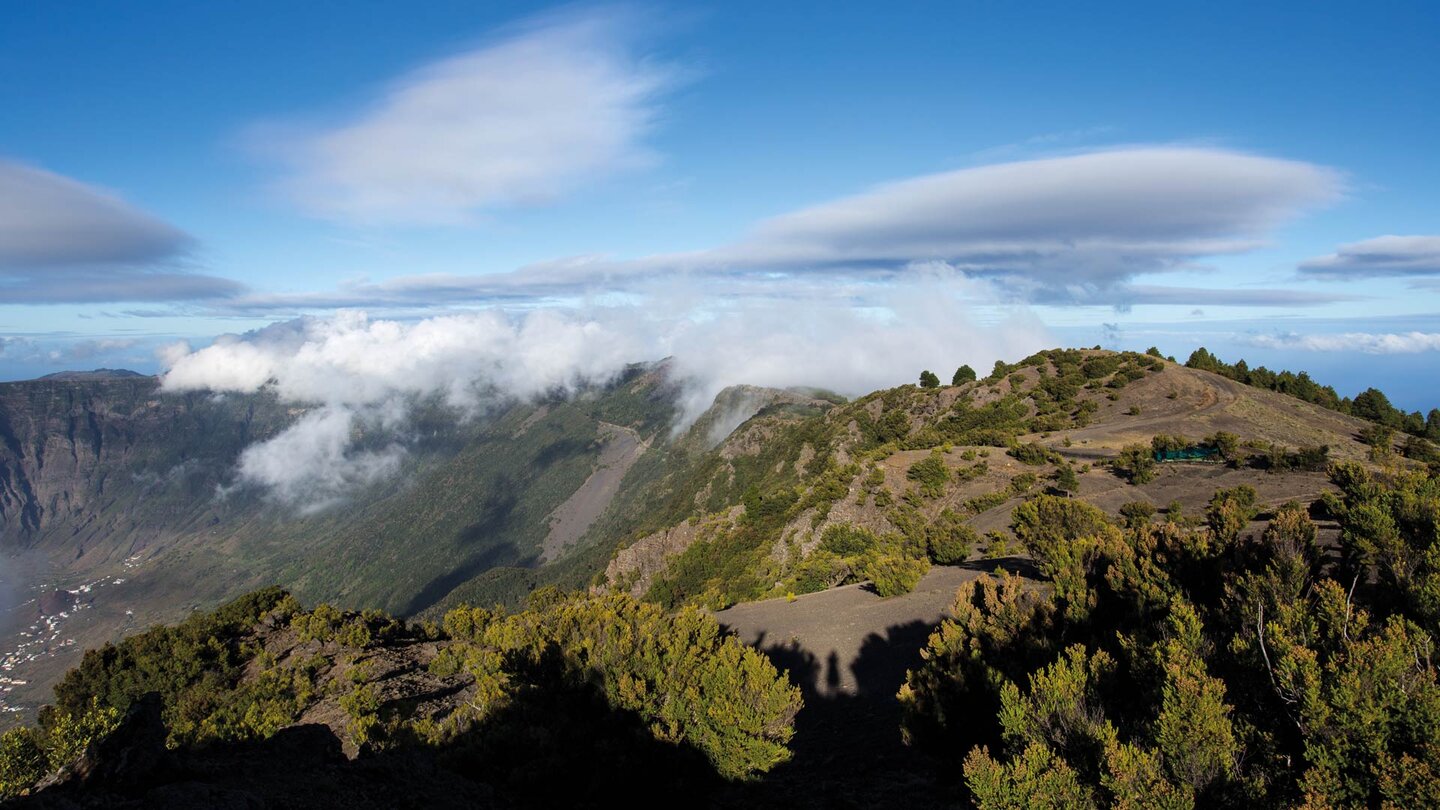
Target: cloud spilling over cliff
x=352, y=370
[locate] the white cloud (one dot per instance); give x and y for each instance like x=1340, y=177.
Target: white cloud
x=87, y=349
x=357, y=368
x=14, y=346
x=1380, y=256
x=351, y=360
x=845, y=337
x=1097, y=217
x=312, y=465
x=561, y=102
x=937, y=320
x=1366, y=342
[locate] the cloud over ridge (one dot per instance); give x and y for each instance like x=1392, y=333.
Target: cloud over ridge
x=350, y=368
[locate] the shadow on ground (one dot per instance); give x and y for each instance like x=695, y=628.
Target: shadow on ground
x=847, y=745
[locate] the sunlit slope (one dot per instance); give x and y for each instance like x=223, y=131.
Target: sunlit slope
x=776, y=507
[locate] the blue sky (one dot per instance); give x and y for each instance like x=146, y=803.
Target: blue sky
x=1254, y=177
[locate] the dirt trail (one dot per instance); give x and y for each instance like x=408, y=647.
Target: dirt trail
x=851, y=635
x=848, y=650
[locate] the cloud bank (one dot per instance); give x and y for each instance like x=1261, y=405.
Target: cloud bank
x=358, y=370
x=1366, y=342
x=62, y=241
x=352, y=370
x=562, y=102
x=1381, y=256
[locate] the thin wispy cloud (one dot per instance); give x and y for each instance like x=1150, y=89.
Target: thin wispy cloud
x=1381, y=256
x=561, y=102
x=1365, y=342
x=62, y=241
x=1067, y=230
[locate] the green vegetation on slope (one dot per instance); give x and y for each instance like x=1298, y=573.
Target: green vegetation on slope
x=787, y=468
x=570, y=667
x=1170, y=665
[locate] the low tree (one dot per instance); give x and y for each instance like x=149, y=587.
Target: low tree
x=930, y=473
x=963, y=375
x=22, y=761
x=1136, y=463
x=1230, y=511
x=1379, y=437
x=928, y=379
x=894, y=574
x=949, y=540
x=1226, y=444
x=1066, y=480
x=1137, y=513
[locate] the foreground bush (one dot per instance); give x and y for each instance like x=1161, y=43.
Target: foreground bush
x=640, y=687
x=690, y=682
x=1171, y=665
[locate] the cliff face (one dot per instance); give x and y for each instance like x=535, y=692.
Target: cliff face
x=122, y=499
x=91, y=464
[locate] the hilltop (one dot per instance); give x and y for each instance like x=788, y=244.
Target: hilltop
x=95, y=374
x=765, y=514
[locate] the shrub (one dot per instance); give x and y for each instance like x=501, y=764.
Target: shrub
x=1380, y=437
x=845, y=540
x=22, y=761
x=894, y=574
x=1230, y=511
x=362, y=706
x=1137, y=513
x=1033, y=454
x=1226, y=444
x=1136, y=463
x=930, y=473
x=948, y=539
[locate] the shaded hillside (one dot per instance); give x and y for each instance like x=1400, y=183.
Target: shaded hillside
x=111, y=489
x=263, y=703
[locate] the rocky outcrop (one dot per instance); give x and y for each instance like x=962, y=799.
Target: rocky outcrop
x=635, y=567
